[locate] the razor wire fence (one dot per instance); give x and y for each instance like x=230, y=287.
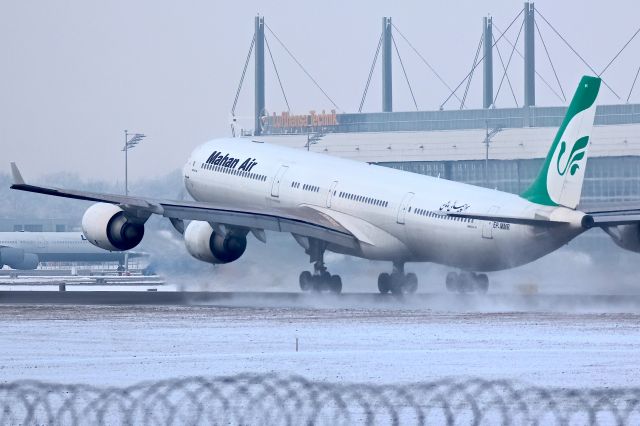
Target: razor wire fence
x=290, y=400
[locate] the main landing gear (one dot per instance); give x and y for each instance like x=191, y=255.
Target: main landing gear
x=467, y=282
x=321, y=281
x=397, y=282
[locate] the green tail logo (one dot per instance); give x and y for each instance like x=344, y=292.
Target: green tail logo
x=559, y=182
x=577, y=154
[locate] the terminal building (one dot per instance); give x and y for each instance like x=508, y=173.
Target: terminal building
x=32, y=224
x=453, y=145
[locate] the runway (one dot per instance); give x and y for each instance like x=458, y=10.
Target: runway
x=126, y=344
x=443, y=302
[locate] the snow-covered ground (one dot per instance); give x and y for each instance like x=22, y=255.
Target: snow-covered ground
x=121, y=345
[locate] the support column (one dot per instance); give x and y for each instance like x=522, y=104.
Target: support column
x=387, y=96
x=259, y=75
x=487, y=87
x=529, y=55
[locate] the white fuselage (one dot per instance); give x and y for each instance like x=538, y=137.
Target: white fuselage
x=58, y=246
x=396, y=215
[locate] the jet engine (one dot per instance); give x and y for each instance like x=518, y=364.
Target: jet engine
x=108, y=227
x=30, y=261
x=205, y=244
x=17, y=259
x=625, y=236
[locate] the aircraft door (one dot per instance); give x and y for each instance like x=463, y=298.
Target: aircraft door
x=487, y=226
x=275, y=186
x=332, y=190
x=404, y=205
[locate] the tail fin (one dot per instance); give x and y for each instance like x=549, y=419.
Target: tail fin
x=559, y=182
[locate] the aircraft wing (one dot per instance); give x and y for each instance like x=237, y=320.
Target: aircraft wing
x=307, y=222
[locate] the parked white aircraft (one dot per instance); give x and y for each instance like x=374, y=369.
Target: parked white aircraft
x=327, y=203
x=25, y=250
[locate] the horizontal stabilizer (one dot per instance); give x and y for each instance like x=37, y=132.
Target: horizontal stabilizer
x=600, y=220
x=623, y=207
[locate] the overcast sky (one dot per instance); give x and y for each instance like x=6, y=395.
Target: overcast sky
x=76, y=73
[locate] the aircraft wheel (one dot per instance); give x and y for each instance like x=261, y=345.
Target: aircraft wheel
x=482, y=283
x=410, y=283
x=384, y=283
x=335, y=284
x=466, y=282
x=453, y=278
x=398, y=284
x=306, y=281
x=322, y=282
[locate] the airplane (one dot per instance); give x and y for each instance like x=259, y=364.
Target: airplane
x=25, y=250
x=243, y=186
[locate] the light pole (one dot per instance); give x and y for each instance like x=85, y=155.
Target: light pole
x=487, y=140
x=136, y=138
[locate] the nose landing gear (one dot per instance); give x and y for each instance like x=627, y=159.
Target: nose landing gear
x=467, y=282
x=397, y=282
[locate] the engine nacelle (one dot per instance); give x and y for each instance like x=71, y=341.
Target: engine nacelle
x=205, y=245
x=17, y=259
x=29, y=262
x=11, y=256
x=107, y=226
x=625, y=236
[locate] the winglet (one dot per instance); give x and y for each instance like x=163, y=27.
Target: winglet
x=17, y=176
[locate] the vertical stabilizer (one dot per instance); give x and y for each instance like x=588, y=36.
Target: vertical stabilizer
x=559, y=182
